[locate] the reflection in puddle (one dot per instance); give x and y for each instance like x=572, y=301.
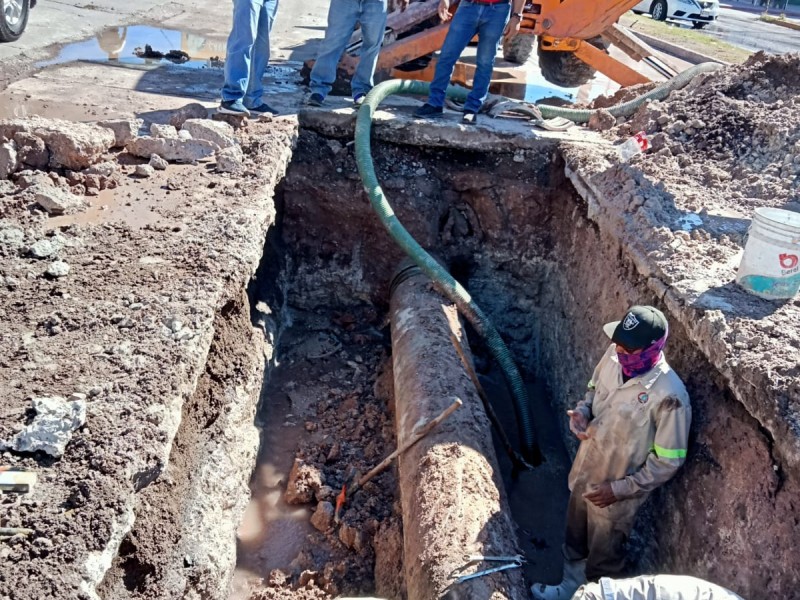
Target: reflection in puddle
x=120, y=45
x=529, y=85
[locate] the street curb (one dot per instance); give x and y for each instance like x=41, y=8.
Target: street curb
x=792, y=13
x=689, y=56
x=781, y=22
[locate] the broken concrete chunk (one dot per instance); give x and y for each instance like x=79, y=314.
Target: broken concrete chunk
x=304, y=481
x=11, y=237
x=168, y=132
x=184, y=135
x=322, y=519
x=172, y=150
x=7, y=188
x=144, y=171
x=58, y=269
x=55, y=201
x=216, y=132
x=124, y=129
x=56, y=419
x=27, y=179
x=43, y=249
x=351, y=537
x=190, y=111
x=71, y=145
x=158, y=163
x=230, y=160
x=104, y=169
x=8, y=159
x=32, y=150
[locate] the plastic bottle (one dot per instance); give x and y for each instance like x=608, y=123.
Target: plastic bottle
x=633, y=146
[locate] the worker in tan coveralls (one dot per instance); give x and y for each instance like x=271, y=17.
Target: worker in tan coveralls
x=654, y=587
x=633, y=425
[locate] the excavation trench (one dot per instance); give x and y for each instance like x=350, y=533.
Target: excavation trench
x=514, y=230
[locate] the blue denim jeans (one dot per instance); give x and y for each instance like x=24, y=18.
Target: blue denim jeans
x=342, y=18
x=488, y=21
x=248, y=50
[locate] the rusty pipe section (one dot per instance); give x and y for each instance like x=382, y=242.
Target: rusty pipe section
x=451, y=493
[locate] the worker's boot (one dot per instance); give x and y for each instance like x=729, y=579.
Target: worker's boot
x=574, y=577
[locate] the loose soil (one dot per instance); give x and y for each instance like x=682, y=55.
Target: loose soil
x=330, y=397
x=128, y=329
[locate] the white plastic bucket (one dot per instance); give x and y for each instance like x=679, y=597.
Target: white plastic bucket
x=770, y=266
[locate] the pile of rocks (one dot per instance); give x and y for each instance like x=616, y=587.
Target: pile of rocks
x=191, y=136
x=736, y=131
x=53, y=164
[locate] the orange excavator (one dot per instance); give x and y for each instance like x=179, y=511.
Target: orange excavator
x=571, y=37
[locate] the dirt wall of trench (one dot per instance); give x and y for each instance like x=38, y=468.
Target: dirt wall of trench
x=181, y=546
x=518, y=235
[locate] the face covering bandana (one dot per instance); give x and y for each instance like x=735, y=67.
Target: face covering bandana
x=634, y=365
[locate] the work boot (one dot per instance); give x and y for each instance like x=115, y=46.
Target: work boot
x=429, y=111
x=574, y=577
x=263, y=109
x=315, y=99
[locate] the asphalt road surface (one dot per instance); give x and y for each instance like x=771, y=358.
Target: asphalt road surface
x=57, y=23
x=56, y=28
x=743, y=29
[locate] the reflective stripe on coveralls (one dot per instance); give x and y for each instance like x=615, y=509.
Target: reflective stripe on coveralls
x=638, y=429
x=638, y=434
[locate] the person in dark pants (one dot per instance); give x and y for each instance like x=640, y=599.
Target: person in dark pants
x=489, y=20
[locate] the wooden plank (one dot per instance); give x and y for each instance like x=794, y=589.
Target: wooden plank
x=400, y=22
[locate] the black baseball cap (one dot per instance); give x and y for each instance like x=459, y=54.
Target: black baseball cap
x=640, y=327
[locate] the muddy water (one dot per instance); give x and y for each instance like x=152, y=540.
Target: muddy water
x=272, y=532
x=118, y=45
x=538, y=498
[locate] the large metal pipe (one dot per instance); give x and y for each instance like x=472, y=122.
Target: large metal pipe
x=451, y=491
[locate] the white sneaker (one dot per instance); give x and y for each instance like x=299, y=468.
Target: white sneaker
x=574, y=577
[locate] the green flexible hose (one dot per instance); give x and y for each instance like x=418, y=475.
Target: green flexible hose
x=626, y=109
x=446, y=282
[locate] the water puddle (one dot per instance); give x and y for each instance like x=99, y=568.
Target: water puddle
x=538, y=498
x=529, y=85
x=126, y=46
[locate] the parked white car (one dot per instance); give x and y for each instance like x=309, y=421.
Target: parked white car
x=698, y=12
x=14, y=18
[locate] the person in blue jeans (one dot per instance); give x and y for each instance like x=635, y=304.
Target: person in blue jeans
x=247, y=57
x=487, y=19
x=342, y=18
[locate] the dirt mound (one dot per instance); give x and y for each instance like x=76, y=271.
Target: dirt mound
x=736, y=132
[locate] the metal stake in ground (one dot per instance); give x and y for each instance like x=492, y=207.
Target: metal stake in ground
x=518, y=463
x=416, y=436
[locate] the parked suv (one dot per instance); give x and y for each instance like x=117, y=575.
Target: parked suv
x=698, y=12
x=14, y=18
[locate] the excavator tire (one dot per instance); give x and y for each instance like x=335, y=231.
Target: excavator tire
x=564, y=69
x=520, y=48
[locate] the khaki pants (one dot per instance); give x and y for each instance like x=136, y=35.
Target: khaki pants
x=599, y=534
